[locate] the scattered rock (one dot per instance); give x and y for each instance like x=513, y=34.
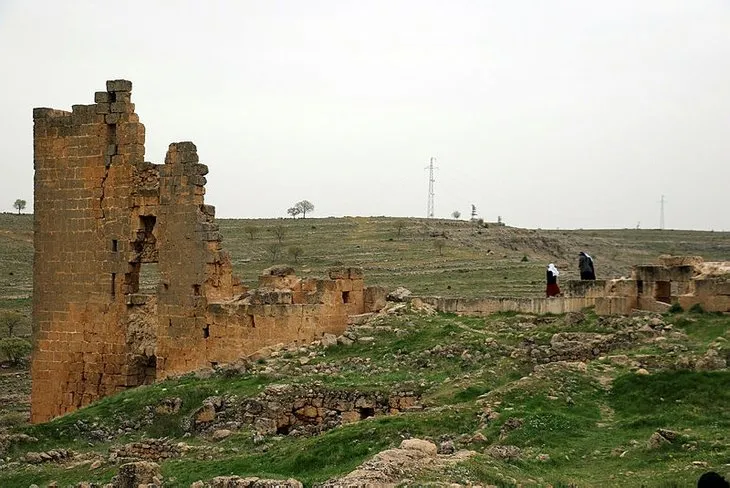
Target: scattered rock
x=328, y=340
x=252, y=482
x=504, y=453
x=447, y=447
x=131, y=475
x=428, y=448
x=400, y=294
x=510, y=425
x=221, y=434
x=661, y=438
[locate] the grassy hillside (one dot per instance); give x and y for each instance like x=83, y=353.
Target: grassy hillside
x=572, y=416
x=474, y=261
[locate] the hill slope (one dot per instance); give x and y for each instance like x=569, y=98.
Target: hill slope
x=575, y=400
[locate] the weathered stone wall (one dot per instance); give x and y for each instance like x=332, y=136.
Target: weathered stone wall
x=84, y=163
x=490, y=305
x=103, y=218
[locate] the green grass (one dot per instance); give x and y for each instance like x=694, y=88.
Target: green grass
x=566, y=413
x=475, y=262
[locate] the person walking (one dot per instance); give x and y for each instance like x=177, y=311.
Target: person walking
x=585, y=266
x=552, y=289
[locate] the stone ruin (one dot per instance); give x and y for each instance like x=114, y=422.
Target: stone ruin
x=684, y=280
x=104, y=220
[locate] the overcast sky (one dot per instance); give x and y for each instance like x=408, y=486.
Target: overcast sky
x=569, y=114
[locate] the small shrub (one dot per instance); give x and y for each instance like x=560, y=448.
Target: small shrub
x=15, y=349
x=525, y=258
x=696, y=308
x=295, y=252
x=676, y=308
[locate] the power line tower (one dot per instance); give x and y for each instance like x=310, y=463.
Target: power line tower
x=431, y=180
x=661, y=213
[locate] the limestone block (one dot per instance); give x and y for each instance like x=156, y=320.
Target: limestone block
x=102, y=97
x=119, y=86
x=122, y=107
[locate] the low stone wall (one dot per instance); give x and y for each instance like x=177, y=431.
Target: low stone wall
x=490, y=305
x=290, y=410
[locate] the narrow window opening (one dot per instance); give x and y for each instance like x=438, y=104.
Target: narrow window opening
x=196, y=290
x=206, y=332
x=115, y=245
x=640, y=287
x=169, y=322
x=114, y=285
x=345, y=297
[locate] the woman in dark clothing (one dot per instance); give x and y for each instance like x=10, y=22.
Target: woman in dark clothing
x=552, y=289
x=585, y=265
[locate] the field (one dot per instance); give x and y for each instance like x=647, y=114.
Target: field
x=569, y=410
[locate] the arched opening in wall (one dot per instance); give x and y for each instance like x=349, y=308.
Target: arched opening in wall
x=345, y=297
x=366, y=412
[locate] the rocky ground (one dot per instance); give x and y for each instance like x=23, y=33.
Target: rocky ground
x=412, y=397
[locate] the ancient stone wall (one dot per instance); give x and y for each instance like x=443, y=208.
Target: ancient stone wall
x=106, y=221
x=84, y=161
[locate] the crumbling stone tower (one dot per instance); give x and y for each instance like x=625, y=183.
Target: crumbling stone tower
x=103, y=218
x=85, y=162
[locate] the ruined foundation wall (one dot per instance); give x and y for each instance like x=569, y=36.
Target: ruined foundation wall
x=83, y=173
x=131, y=283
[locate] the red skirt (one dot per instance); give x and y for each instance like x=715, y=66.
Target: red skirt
x=552, y=290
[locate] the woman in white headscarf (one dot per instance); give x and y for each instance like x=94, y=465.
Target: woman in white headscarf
x=552, y=289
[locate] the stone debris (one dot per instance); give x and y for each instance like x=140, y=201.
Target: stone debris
x=400, y=294
x=134, y=475
x=390, y=467
x=148, y=449
x=298, y=410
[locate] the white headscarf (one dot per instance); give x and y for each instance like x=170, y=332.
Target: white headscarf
x=553, y=269
x=587, y=255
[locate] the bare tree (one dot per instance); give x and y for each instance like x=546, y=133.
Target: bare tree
x=294, y=211
x=456, y=214
x=439, y=245
x=305, y=206
x=251, y=230
x=280, y=232
x=273, y=248
x=295, y=252
x=19, y=204
x=399, y=226
x=10, y=321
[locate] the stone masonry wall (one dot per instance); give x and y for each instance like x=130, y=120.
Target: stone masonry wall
x=84, y=161
x=104, y=218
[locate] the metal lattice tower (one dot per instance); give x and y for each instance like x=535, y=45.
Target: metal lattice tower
x=661, y=213
x=431, y=180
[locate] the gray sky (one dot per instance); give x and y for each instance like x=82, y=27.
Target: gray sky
x=549, y=113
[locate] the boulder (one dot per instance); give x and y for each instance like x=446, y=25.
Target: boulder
x=328, y=340
x=425, y=447
x=400, y=294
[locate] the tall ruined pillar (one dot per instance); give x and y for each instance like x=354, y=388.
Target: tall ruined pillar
x=84, y=165
x=193, y=268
